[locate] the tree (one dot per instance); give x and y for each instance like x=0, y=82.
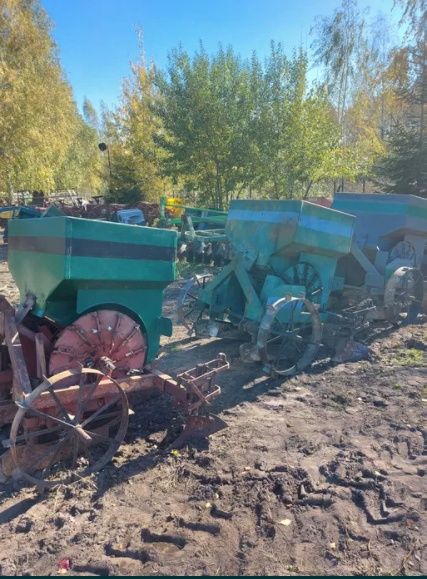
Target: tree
x=38, y=116
x=205, y=111
x=405, y=166
x=90, y=115
x=338, y=42
x=130, y=131
x=81, y=168
x=414, y=14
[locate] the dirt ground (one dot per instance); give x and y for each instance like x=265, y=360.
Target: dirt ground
x=320, y=474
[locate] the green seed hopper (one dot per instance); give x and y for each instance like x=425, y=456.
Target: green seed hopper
x=73, y=266
x=284, y=236
x=278, y=286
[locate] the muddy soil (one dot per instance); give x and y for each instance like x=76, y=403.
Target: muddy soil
x=321, y=474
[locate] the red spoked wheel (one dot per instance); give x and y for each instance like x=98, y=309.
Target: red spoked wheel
x=99, y=334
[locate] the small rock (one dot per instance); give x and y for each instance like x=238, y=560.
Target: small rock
x=24, y=525
x=302, y=492
x=380, y=403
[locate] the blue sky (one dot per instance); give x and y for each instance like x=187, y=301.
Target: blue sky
x=97, y=38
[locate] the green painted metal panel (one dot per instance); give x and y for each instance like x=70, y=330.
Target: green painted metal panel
x=73, y=265
x=384, y=216
x=287, y=227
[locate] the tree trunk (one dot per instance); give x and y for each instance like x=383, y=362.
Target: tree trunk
x=308, y=189
x=218, y=186
x=276, y=189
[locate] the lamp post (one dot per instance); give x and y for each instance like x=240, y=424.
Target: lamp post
x=103, y=147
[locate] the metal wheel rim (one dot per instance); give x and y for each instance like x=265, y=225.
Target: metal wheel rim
x=82, y=402
x=399, y=286
x=265, y=331
x=188, y=299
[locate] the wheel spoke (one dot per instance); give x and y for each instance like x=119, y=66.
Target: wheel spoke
x=35, y=434
x=100, y=437
x=91, y=392
x=100, y=410
x=282, y=347
x=59, y=404
x=79, y=415
x=48, y=417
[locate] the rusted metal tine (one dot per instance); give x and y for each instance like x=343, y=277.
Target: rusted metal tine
x=41, y=356
x=21, y=380
x=24, y=331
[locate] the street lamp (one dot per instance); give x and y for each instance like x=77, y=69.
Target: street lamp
x=103, y=147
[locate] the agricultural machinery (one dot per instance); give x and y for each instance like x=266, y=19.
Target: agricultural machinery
x=299, y=279
x=202, y=237
x=16, y=212
x=388, y=251
x=85, y=337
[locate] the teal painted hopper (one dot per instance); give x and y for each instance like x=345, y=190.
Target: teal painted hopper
x=286, y=228
x=384, y=215
x=73, y=266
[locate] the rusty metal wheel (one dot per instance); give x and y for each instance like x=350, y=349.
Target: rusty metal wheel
x=189, y=309
x=403, y=295
x=289, y=335
x=68, y=427
x=95, y=335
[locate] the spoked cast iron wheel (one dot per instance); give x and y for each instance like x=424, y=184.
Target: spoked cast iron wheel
x=404, y=294
x=97, y=334
x=68, y=440
x=290, y=335
x=187, y=306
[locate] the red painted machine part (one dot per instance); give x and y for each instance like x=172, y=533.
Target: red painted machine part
x=103, y=333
